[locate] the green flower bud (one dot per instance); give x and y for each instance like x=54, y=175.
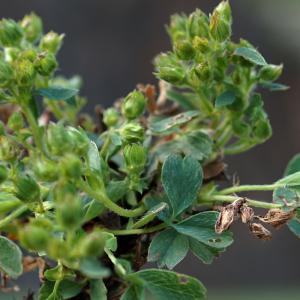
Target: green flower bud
x=198, y=24
x=28, y=54
x=27, y=189
x=58, y=139
x=25, y=72
x=10, y=33
x=224, y=11
x=132, y=133
x=201, y=44
x=32, y=26
x=135, y=157
x=184, y=50
x=263, y=130
x=177, y=28
x=133, y=105
x=34, y=238
x=45, y=170
x=92, y=244
x=111, y=117
x=51, y=42
x=8, y=149
x=57, y=249
x=3, y=174
x=69, y=212
x=46, y=63
x=11, y=54
x=16, y=121
x=71, y=166
x=79, y=140
x=203, y=71
x=220, y=28
x=270, y=72
x=6, y=74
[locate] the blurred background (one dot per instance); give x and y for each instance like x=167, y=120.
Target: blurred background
x=111, y=44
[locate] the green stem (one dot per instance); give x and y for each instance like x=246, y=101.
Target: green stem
x=101, y=197
x=238, y=148
x=230, y=199
x=138, y=231
x=246, y=188
x=15, y=214
x=105, y=146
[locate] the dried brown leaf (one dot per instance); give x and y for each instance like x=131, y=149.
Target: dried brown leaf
x=277, y=217
x=247, y=213
x=260, y=231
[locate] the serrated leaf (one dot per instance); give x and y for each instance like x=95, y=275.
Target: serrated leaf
x=251, y=55
x=202, y=228
x=10, y=258
x=57, y=93
x=168, y=248
x=225, y=99
x=150, y=215
x=181, y=179
x=166, y=124
x=92, y=268
x=166, y=285
x=98, y=290
x=293, y=166
x=274, y=86
x=205, y=253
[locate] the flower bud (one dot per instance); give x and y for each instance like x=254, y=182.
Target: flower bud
x=198, y=24
x=111, y=117
x=79, y=140
x=27, y=189
x=92, y=244
x=263, y=130
x=69, y=212
x=174, y=75
x=46, y=63
x=51, y=42
x=34, y=238
x=58, y=139
x=203, y=71
x=201, y=44
x=57, y=249
x=10, y=33
x=224, y=11
x=135, y=158
x=177, y=28
x=220, y=28
x=16, y=121
x=32, y=26
x=3, y=174
x=133, y=105
x=132, y=133
x=6, y=74
x=25, y=72
x=11, y=54
x=71, y=166
x=29, y=54
x=45, y=170
x=270, y=72
x=8, y=149
x=184, y=50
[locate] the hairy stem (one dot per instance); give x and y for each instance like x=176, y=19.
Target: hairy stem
x=138, y=231
x=15, y=214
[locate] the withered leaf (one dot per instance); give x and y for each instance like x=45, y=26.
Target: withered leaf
x=213, y=169
x=277, y=217
x=260, y=231
x=247, y=213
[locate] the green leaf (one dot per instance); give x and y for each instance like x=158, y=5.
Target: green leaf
x=111, y=242
x=287, y=197
x=166, y=285
x=202, y=228
x=251, y=55
x=187, y=100
x=274, y=86
x=10, y=258
x=92, y=268
x=294, y=224
x=134, y=292
x=168, y=248
x=205, y=253
x=293, y=166
x=225, y=99
x=93, y=158
x=57, y=93
x=181, y=179
x=166, y=124
x=98, y=290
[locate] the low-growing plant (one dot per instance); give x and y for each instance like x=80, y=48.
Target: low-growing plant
x=91, y=200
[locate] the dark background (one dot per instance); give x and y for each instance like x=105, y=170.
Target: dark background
x=111, y=44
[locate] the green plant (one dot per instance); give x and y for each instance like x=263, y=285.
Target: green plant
x=94, y=201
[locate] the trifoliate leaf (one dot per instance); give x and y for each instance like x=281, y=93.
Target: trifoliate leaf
x=225, y=99
x=57, y=93
x=10, y=258
x=168, y=248
x=166, y=285
x=181, y=179
x=251, y=55
x=164, y=125
x=201, y=227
